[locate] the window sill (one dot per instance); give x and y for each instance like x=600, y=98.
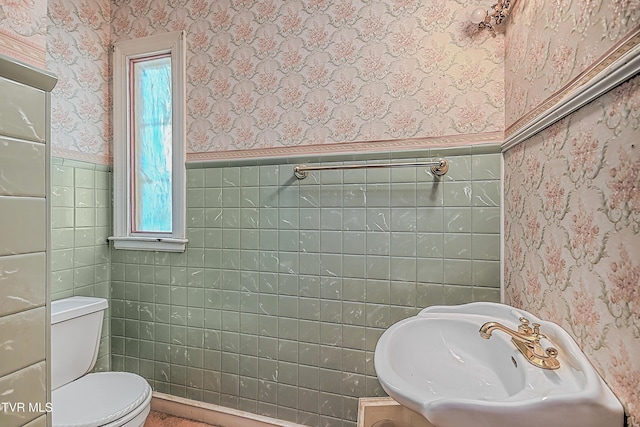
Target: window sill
x=162, y=244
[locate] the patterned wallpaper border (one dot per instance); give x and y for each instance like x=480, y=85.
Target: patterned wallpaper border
x=98, y=159
x=22, y=49
x=364, y=147
x=352, y=147
x=381, y=155
x=568, y=99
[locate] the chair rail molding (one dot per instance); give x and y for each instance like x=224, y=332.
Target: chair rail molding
x=619, y=64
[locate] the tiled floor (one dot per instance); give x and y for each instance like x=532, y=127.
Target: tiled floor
x=158, y=419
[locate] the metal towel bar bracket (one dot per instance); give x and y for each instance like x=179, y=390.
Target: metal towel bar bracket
x=438, y=167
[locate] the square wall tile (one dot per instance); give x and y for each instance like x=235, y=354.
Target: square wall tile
x=286, y=285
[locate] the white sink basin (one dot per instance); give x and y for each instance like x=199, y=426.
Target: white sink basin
x=437, y=364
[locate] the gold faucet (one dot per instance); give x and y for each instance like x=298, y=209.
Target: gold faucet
x=527, y=340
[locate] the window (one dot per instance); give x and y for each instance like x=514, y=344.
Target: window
x=149, y=154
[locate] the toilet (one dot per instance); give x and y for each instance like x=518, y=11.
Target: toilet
x=82, y=399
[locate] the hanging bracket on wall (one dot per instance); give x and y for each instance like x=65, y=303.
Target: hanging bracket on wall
x=438, y=167
x=491, y=18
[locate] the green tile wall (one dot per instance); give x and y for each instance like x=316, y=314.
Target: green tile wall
x=277, y=304
x=80, y=225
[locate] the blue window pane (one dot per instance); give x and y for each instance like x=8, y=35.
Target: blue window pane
x=151, y=147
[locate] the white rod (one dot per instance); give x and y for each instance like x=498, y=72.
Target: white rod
x=438, y=167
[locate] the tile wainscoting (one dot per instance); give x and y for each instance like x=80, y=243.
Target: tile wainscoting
x=80, y=225
x=277, y=304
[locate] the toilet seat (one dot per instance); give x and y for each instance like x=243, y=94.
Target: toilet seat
x=100, y=399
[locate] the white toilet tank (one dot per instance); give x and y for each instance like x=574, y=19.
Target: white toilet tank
x=76, y=326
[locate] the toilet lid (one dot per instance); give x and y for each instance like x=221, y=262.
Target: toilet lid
x=98, y=399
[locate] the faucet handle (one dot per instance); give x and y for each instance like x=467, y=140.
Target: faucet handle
x=524, y=326
x=536, y=328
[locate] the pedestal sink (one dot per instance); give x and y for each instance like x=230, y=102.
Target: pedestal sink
x=437, y=364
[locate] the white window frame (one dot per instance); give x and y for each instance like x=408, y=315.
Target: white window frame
x=172, y=43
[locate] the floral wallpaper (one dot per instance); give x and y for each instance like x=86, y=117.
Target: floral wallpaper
x=550, y=42
x=572, y=233
x=572, y=192
x=268, y=73
x=23, y=30
x=264, y=73
x=77, y=52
